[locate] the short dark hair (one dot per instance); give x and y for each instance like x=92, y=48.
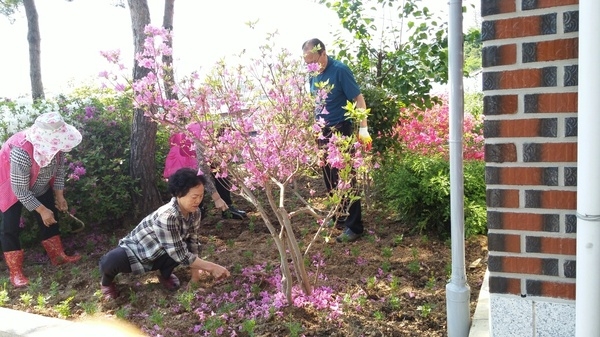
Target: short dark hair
x=312, y=43
x=183, y=180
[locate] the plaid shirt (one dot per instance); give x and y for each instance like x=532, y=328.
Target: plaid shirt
x=20, y=174
x=165, y=231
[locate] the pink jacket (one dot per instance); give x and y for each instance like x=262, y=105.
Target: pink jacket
x=7, y=196
x=180, y=155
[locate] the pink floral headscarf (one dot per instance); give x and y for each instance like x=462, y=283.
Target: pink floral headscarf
x=49, y=135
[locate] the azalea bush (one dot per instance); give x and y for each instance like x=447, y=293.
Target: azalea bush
x=98, y=186
x=414, y=179
x=254, y=124
x=426, y=132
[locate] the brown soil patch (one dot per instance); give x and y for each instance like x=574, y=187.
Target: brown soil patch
x=389, y=283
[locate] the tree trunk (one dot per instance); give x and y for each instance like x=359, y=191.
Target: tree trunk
x=143, y=130
x=33, y=38
x=168, y=59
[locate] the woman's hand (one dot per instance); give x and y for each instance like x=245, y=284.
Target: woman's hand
x=195, y=274
x=47, y=215
x=219, y=203
x=60, y=202
x=219, y=272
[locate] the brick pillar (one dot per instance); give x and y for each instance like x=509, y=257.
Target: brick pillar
x=530, y=104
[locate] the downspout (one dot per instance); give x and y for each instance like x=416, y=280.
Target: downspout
x=457, y=290
x=587, y=304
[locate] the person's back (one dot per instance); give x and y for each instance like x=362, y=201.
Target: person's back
x=181, y=154
x=19, y=140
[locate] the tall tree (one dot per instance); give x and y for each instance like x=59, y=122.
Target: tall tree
x=143, y=129
x=8, y=8
x=34, y=40
x=168, y=59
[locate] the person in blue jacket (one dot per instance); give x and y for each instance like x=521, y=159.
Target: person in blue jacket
x=344, y=89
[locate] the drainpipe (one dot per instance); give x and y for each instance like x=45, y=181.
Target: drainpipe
x=587, y=304
x=457, y=290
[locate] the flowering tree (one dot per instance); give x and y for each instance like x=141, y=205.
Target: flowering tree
x=255, y=125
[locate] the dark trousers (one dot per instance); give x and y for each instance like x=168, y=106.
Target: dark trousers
x=331, y=177
x=222, y=184
x=10, y=228
x=116, y=261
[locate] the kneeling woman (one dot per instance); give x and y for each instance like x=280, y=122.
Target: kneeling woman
x=164, y=239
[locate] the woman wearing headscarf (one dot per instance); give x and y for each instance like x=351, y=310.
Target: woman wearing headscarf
x=32, y=175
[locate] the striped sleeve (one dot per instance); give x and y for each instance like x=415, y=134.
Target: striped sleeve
x=20, y=174
x=59, y=178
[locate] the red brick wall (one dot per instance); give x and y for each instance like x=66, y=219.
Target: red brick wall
x=530, y=103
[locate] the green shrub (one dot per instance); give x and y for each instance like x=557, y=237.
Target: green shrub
x=98, y=186
x=418, y=189
x=385, y=111
x=104, y=118
x=475, y=205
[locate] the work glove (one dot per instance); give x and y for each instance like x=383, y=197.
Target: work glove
x=364, y=138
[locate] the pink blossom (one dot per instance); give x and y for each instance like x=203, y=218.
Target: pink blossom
x=313, y=67
x=428, y=134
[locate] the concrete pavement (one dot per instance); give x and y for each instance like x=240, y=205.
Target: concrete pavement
x=22, y=324
x=14, y=323
x=480, y=322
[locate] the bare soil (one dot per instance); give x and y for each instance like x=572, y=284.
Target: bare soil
x=388, y=283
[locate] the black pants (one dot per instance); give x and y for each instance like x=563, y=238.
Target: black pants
x=331, y=178
x=222, y=184
x=116, y=261
x=11, y=219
